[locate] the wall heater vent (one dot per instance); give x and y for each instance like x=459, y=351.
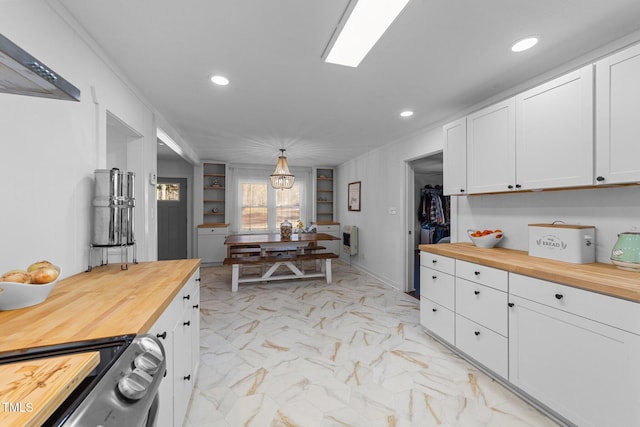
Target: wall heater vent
x=350, y=239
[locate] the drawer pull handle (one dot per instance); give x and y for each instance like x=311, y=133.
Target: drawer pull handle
x=559, y=296
x=187, y=378
x=477, y=333
x=510, y=304
x=434, y=261
x=434, y=277
x=477, y=273
x=187, y=297
x=162, y=335
x=476, y=292
x=196, y=306
x=434, y=309
x=187, y=323
x=198, y=279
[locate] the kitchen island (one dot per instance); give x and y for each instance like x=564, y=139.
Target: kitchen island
x=160, y=298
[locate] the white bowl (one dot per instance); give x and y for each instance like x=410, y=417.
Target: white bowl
x=486, y=241
x=20, y=295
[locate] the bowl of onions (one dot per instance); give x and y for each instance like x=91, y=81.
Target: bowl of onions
x=485, y=238
x=24, y=288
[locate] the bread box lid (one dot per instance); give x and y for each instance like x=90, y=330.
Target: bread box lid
x=554, y=225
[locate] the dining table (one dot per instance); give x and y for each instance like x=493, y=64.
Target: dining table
x=272, y=251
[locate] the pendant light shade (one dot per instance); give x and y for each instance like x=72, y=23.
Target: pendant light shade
x=281, y=177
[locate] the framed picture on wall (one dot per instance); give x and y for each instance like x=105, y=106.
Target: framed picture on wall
x=354, y=196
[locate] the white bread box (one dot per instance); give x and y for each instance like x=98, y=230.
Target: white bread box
x=563, y=242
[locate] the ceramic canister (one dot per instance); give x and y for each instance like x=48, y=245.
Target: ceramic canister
x=627, y=248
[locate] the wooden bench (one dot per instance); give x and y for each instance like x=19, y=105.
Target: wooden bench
x=288, y=260
x=244, y=251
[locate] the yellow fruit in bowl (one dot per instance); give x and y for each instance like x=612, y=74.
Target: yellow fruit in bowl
x=16, y=276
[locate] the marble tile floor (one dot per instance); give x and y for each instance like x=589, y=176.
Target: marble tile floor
x=352, y=353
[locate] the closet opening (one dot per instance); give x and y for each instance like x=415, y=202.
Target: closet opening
x=428, y=211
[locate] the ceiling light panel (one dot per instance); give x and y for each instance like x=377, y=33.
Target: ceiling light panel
x=364, y=26
x=524, y=44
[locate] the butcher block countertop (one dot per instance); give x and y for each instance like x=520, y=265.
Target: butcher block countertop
x=105, y=302
x=36, y=388
x=598, y=277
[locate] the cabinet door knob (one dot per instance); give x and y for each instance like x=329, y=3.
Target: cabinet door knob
x=518, y=186
x=187, y=297
x=510, y=304
x=196, y=306
x=434, y=277
x=187, y=323
x=462, y=190
x=559, y=296
x=600, y=178
x=198, y=279
x=510, y=187
x=187, y=378
x=434, y=309
x=476, y=292
x=477, y=333
x=477, y=273
x=162, y=335
x=434, y=261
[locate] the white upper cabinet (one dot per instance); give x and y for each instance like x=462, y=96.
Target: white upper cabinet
x=455, y=157
x=554, y=133
x=618, y=117
x=491, y=156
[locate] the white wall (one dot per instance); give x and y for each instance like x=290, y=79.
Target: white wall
x=382, y=235
x=50, y=148
x=610, y=210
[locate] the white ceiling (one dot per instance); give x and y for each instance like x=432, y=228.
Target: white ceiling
x=438, y=58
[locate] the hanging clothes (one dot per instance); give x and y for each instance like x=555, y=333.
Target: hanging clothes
x=433, y=214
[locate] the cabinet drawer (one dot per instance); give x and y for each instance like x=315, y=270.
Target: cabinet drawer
x=488, y=276
x=482, y=344
x=437, y=319
x=205, y=231
x=328, y=228
x=438, y=262
x=437, y=286
x=611, y=311
x=483, y=305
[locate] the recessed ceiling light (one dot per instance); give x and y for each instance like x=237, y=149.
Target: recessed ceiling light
x=524, y=44
x=220, y=80
x=366, y=21
x=406, y=113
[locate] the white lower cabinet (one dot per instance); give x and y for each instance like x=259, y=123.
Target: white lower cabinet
x=482, y=344
x=334, y=230
x=211, y=247
x=587, y=371
x=438, y=319
x=178, y=330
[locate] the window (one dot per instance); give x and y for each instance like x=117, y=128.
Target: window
x=287, y=205
x=254, y=206
x=263, y=209
x=168, y=192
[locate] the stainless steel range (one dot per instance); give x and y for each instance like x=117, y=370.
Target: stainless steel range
x=121, y=391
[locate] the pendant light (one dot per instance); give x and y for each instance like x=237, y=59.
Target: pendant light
x=281, y=177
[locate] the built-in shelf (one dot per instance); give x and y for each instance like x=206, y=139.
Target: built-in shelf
x=214, y=200
x=324, y=194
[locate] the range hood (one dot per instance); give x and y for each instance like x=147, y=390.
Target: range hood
x=22, y=74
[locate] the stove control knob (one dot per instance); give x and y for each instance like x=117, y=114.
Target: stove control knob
x=148, y=361
x=134, y=385
x=153, y=346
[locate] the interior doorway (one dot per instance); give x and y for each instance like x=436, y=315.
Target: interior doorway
x=423, y=176
x=172, y=197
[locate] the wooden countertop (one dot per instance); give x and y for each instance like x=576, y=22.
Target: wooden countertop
x=36, y=388
x=102, y=303
x=598, y=277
